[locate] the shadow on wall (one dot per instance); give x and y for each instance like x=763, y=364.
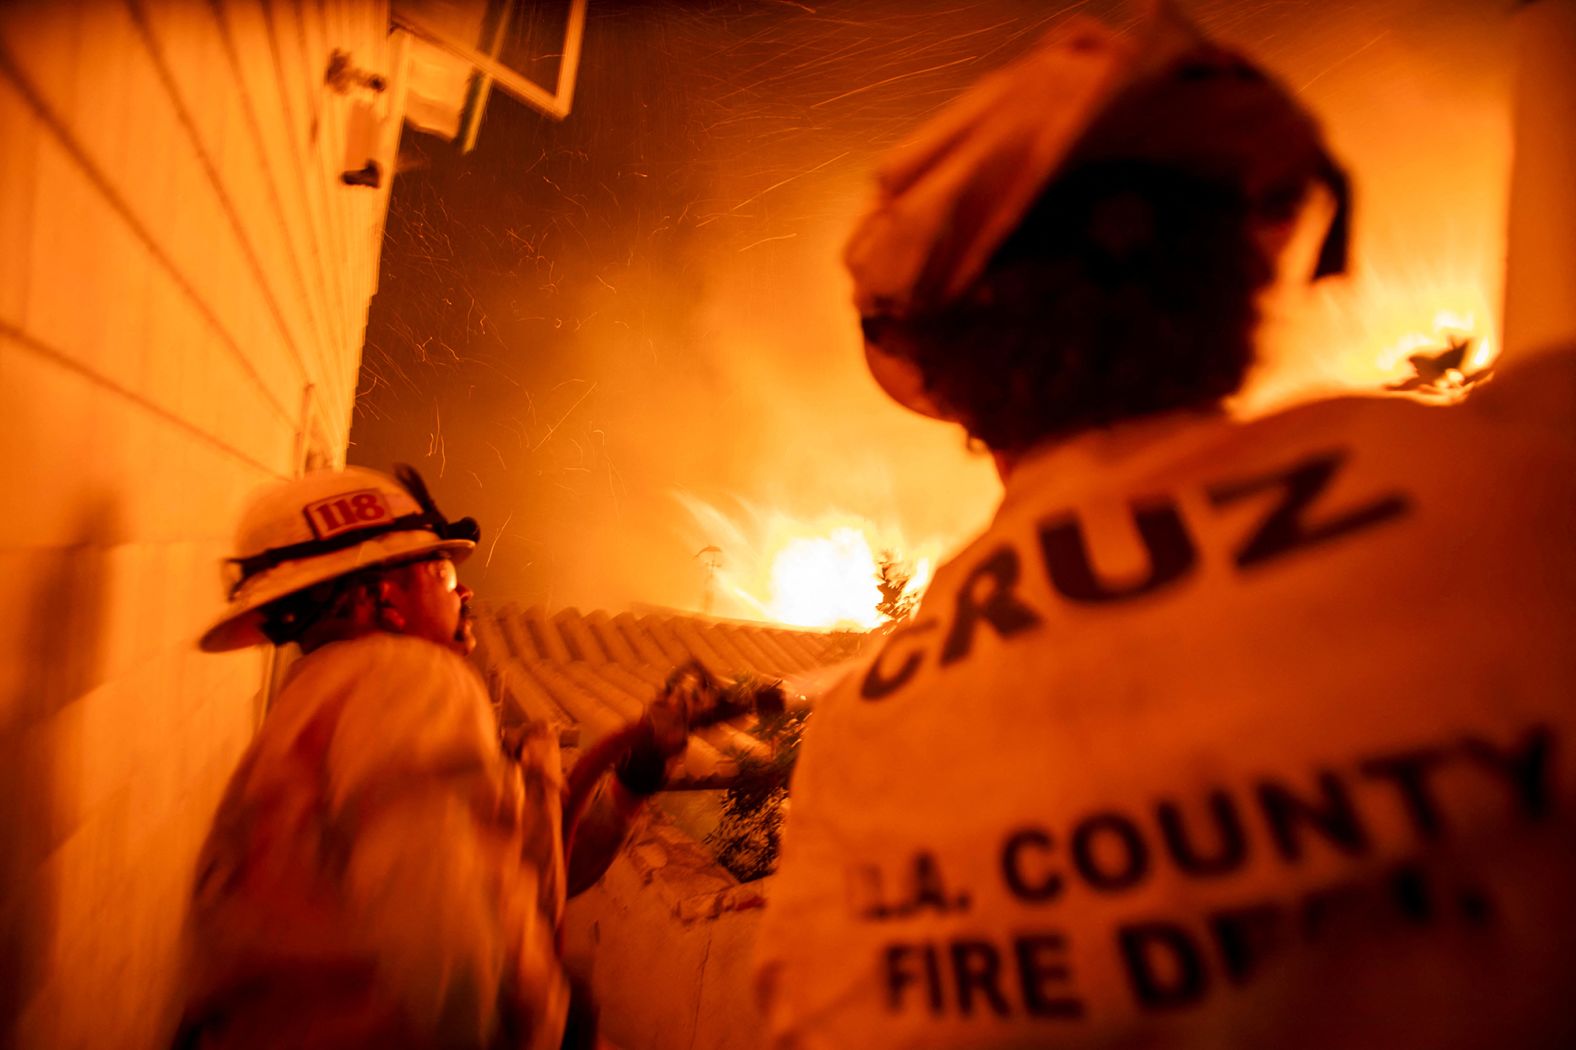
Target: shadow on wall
x=63, y=620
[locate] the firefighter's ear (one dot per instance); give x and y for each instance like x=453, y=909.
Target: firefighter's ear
x=389, y=616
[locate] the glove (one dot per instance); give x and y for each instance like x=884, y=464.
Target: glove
x=662, y=733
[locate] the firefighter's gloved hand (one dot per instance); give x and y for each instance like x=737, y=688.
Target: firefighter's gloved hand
x=669, y=718
x=663, y=733
x=512, y=738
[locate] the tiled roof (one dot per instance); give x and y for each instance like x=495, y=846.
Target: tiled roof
x=586, y=674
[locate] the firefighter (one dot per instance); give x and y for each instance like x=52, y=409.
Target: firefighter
x=379, y=872
x=1223, y=733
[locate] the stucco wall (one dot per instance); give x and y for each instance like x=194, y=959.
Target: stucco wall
x=183, y=290
x=668, y=938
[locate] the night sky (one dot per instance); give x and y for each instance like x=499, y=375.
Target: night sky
x=624, y=337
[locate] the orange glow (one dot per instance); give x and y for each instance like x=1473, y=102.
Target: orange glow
x=825, y=580
x=1450, y=330
x=1359, y=334
x=1448, y=325
x=817, y=572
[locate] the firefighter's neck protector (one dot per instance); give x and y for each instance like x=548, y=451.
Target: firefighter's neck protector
x=322, y=526
x=951, y=196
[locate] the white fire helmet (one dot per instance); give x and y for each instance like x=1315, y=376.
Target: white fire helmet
x=948, y=198
x=327, y=524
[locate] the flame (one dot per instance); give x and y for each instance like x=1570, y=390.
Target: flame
x=1448, y=325
x=1358, y=336
x=825, y=580
x=817, y=572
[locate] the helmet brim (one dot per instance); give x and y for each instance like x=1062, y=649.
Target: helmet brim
x=241, y=624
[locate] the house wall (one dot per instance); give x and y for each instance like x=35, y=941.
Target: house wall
x=667, y=940
x=183, y=291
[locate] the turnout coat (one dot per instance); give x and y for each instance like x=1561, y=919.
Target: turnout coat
x=378, y=872
x=1222, y=734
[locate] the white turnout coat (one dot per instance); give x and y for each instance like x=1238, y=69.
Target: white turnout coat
x=378, y=872
x=1222, y=734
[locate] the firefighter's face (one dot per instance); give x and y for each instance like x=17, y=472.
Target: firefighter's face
x=432, y=603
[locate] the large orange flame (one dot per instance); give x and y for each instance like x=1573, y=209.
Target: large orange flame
x=816, y=571
x=1360, y=336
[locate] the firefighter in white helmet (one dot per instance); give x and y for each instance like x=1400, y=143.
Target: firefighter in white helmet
x=1224, y=733
x=379, y=873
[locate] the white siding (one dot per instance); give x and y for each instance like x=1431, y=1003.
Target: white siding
x=183, y=293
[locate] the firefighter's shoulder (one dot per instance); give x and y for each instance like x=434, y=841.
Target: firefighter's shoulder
x=1536, y=392
x=387, y=661
x=392, y=687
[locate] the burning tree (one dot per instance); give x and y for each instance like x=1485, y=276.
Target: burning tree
x=892, y=580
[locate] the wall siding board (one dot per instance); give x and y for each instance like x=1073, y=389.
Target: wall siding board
x=179, y=265
x=347, y=210
x=215, y=124
x=65, y=250
x=52, y=34
x=279, y=21
x=18, y=163
x=305, y=57
x=244, y=35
